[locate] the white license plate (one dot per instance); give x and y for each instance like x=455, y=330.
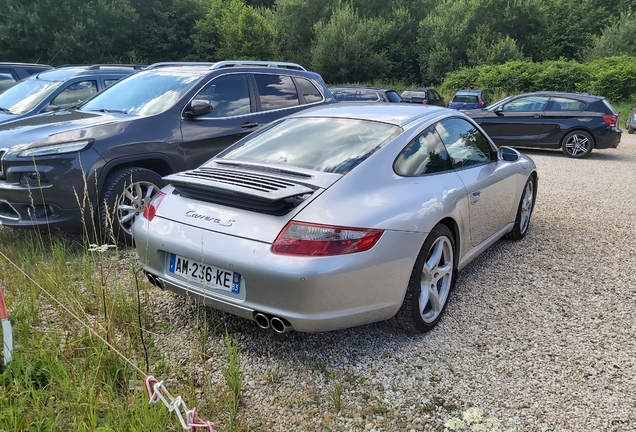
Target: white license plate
x=207, y=275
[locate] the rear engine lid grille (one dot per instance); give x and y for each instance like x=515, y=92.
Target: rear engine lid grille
x=253, y=191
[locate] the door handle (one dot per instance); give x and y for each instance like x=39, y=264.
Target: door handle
x=249, y=125
x=474, y=197
x=537, y=115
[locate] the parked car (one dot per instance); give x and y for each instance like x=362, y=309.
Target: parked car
x=576, y=123
x=59, y=88
x=338, y=216
x=630, y=124
x=358, y=93
x=101, y=163
x=423, y=96
x=10, y=73
x=469, y=99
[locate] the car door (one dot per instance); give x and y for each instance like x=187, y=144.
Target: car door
x=560, y=116
x=490, y=183
x=233, y=116
x=518, y=122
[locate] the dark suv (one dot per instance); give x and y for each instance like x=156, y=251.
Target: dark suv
x=359, y=93
x=63, y=87
x=102, y=162
x=13, y=72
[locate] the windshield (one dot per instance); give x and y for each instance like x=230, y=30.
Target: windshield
x=26, y=95
x=326, y=144
x=496, y=104
x=144, y=93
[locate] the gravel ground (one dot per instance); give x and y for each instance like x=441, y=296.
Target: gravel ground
x=539, y=334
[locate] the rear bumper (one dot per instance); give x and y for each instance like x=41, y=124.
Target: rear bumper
x=311, y=293
x=608, y=138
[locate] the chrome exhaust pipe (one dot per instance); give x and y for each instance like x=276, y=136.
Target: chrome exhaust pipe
x=280, y=325
x=262, y=320
x=159, y=283
x=151, y=279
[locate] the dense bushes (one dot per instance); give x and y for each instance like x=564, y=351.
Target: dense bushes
x=612, y=77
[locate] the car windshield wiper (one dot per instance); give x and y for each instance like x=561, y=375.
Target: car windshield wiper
x=6, y=111
x=111, y=111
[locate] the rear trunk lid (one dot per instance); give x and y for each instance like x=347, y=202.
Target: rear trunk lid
x=249, y=200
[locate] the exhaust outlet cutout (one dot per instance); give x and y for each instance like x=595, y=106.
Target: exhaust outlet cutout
x=262, y=320
x=151, y=279
x=280, y=325
x=159, y=283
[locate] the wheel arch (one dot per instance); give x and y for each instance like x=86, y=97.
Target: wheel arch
x=161, y=164
x=452, y=225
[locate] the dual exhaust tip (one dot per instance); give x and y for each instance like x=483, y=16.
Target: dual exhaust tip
x=156, y=281
x=279, y=325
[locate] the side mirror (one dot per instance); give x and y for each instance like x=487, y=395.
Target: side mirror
x=499, y=109
x=198, y=107
x=508, y=154
x=50, y=108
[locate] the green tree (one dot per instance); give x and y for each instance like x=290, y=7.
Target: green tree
x=348, y=47
x=616, y=39
x=206, y=34
x=245, y=33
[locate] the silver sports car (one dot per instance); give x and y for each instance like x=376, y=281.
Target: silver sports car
x=338, y=216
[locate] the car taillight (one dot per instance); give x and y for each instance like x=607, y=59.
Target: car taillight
x=300, y=238
x=425, y=101
x=151, y=208
x=610, y=120
x=481, y=102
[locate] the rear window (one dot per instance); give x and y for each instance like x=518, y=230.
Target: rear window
x=466, y=99
x=318, y=143
x=413, y=94
x=356, y=96
x=610, y=107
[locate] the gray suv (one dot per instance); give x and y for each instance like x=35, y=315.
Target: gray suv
x=98, y=165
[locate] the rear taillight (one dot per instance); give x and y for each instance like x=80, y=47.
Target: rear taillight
x=151, y=208
x=425, y=101
x=610, y=120
x=481, y=102
x=300, y=238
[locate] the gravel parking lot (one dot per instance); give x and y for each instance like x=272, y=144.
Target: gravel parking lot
x=539, y=334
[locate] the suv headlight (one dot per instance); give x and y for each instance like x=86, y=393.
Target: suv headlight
x=58, y=148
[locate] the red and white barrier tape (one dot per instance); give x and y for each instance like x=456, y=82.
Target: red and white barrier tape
x=7, y=331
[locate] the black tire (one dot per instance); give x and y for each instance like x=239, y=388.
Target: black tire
x=630, y=129
x=524, y=211
x=115, y=219
x=412, y=317
x=577, y=144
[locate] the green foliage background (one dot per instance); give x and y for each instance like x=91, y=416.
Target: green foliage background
x=503, y=45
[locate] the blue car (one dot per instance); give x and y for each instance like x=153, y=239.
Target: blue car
x=469, y=99
x=58, y=88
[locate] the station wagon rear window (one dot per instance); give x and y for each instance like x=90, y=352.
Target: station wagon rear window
x=325, y=144
x=466, y=98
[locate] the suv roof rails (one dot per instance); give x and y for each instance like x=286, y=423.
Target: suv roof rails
x=277, y=64
x=167, y=64
x=115, y=66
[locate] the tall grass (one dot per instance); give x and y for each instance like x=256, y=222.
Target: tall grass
x=62, y=376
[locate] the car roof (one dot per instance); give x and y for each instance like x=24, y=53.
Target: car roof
x=418, y=89
x=359, y=87
x=396, y=114
x=470, y=92
x=64, y=73
x=583, y=96
x=25, y=64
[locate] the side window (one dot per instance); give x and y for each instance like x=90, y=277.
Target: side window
x=565, y=104
x=426, y=154
x=75, y=93
x=466, y=146
x=229, y=95
x=393, y=96
x=6, y=79
x=276, y=91
x=527, y=104
x=309, y=91
x=110, y=81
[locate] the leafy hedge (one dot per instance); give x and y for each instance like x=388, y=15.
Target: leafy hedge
x=612, y=77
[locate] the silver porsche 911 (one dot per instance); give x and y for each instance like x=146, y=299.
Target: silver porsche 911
x=338, y=216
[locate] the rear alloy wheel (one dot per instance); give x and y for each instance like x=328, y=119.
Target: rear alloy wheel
x=577, y=144
x=630, y=129
x=431, y=281
x=125, y=196
x=526, y=205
